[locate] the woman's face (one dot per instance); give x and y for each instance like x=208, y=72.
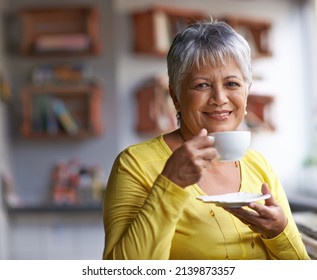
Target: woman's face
x=213, y=98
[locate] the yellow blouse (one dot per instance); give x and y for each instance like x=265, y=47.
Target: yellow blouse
x=146, y=216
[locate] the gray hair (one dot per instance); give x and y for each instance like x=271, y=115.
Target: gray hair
x=207, y=43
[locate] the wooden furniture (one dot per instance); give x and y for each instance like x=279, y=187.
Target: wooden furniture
x=155, y=27
x=60, y=31
x=255, y=31
x=62, y=100
x=156, y=111
x=53, y=111
x=259, y=115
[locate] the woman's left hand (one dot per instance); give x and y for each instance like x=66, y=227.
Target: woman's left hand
x=269, y=220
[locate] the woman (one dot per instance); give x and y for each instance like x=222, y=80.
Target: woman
x=151, y=209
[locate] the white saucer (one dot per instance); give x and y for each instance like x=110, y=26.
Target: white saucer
x=233, y=200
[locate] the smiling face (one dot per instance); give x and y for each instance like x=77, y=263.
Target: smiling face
x=213, y=98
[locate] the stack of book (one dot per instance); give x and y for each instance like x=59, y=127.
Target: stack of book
x=51, y=115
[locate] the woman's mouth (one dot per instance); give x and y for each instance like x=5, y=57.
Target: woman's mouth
x=219, y=115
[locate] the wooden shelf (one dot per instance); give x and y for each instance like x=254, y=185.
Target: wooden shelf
x=259, y=117
x=155, y=27
x=49, y=208
x=156, y=111
x=255, y=31
x=60, y=31
x=43, y=116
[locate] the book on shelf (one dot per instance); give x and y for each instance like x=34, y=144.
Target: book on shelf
x=64, y=116
x=75, y=42
x=66, y=73
x=43, y=117
x=163, y=31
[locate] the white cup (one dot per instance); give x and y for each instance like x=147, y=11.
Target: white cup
x=231, y=145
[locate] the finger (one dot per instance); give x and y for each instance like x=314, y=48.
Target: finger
x=265, y=190
x=203, y=132
x=260, y=209
x=244, y=215
x=202, y=140
x=248, y=220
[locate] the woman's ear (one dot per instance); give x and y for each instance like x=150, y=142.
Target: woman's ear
x=174, y=98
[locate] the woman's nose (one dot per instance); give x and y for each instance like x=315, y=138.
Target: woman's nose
x=218, y=96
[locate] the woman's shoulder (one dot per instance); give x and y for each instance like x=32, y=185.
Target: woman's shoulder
x=256, y=158
x=151, y=148
x=253, y=155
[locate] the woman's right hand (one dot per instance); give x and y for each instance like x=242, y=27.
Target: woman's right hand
x=185, y=166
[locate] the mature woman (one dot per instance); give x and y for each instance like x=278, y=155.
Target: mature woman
x=151, y=209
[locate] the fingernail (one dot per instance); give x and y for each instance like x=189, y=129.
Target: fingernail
x=212, y=139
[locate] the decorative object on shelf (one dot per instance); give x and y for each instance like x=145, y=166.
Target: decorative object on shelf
x=259, y=113
x=65, y=30
x=65, y=73
x=8, y=190
x=76, y=184
x=155, y=27
x=156, y=111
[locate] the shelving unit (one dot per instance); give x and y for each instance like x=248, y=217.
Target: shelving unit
x=259, y=108
x=61, y=102
x=156, y=111
x=43, y=116
x=44, y=209
x=60, y=31
x=155, y=28
x=255, y=31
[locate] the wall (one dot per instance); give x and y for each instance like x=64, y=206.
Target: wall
x=33, y=180
x=120, y=71
x=46, y=234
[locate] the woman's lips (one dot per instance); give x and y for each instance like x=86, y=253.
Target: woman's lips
x=219, y=115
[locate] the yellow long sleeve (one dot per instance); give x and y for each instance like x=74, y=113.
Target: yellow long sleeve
x=146, y=216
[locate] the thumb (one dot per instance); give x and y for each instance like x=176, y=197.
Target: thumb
x=265, y=190
x=203, y=132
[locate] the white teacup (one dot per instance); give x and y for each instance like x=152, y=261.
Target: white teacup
x=231, y=145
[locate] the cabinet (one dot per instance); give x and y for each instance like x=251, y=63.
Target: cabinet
x=156, y=111
x=60, y=31
x=52, y=111
x=155, y=28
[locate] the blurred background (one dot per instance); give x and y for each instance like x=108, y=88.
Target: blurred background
x=82, y=79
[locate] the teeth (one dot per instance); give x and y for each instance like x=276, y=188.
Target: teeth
x=220, y=114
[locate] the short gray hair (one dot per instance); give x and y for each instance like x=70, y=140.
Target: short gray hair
x=207, y=43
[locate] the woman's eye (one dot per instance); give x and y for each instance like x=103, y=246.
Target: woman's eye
x=232, y=84
x=202, y=86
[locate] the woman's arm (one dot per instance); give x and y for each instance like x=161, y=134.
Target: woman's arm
x=139, y=218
